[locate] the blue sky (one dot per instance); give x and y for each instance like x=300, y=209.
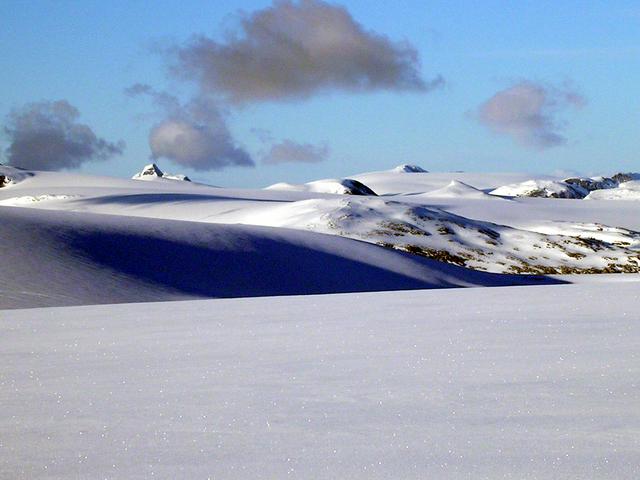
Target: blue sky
x=88, y=52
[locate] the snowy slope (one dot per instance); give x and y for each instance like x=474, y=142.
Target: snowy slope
x=433, y=233
x=626, y=191
x=62, y=258
x=457, y=223
x=516, y=382
x=543, y=189
x=394, y=182
x=457, y=190
x=337, y=186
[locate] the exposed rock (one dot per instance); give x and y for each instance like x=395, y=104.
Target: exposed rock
x=354, y=187
x=593, y=183
x=336, y=186
x=152, y=171
x=626, y=177
x=571, y=192
x=10, y=176
x=542, y=189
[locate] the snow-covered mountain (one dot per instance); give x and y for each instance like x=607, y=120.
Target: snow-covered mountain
x=572, y=188
x=629, y=190
x=455, y=222
x=541, y=188
x=153, y=172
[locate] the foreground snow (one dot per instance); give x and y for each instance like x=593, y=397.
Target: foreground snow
x=515, y=382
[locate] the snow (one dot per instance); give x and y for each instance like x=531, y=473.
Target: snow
x=592, y=183
x=454, y=223
x=541, y=188
x=625, y=177
x=344, y=186
x=405, y=168
x=456, y=189
x=430, y=232
x=626, y=191
x=390, y=183
x=28, y=199
x=65, y=258
x=514, y=382
x=10, y=176
x=152, y=172
x=350, y=353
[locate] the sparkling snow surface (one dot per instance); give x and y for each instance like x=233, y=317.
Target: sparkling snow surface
x=522, y=382
x=513, y=382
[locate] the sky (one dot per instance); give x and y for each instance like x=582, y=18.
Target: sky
x=250, y=93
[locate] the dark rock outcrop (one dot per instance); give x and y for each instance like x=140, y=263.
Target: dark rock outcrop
x=153, y=171
x=591, y=184
x=626, y=177
x=354, y=187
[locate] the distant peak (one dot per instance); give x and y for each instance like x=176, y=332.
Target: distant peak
x=152, y=171
x=406, y=168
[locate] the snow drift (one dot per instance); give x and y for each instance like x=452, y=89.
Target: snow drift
x=456, y=189
x=542, y=188
x=60, y=258
x=344, y=186
x=629, y=190
x=406, y=168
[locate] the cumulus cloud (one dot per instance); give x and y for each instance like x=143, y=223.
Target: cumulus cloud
x=289, y=151
x=194, y=134
x=293, y=50
x=47, y=136
x=527, y=112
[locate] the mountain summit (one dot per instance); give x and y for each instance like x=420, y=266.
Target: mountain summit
x=152, y=172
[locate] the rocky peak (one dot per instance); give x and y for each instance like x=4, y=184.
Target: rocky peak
x=152, y=171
